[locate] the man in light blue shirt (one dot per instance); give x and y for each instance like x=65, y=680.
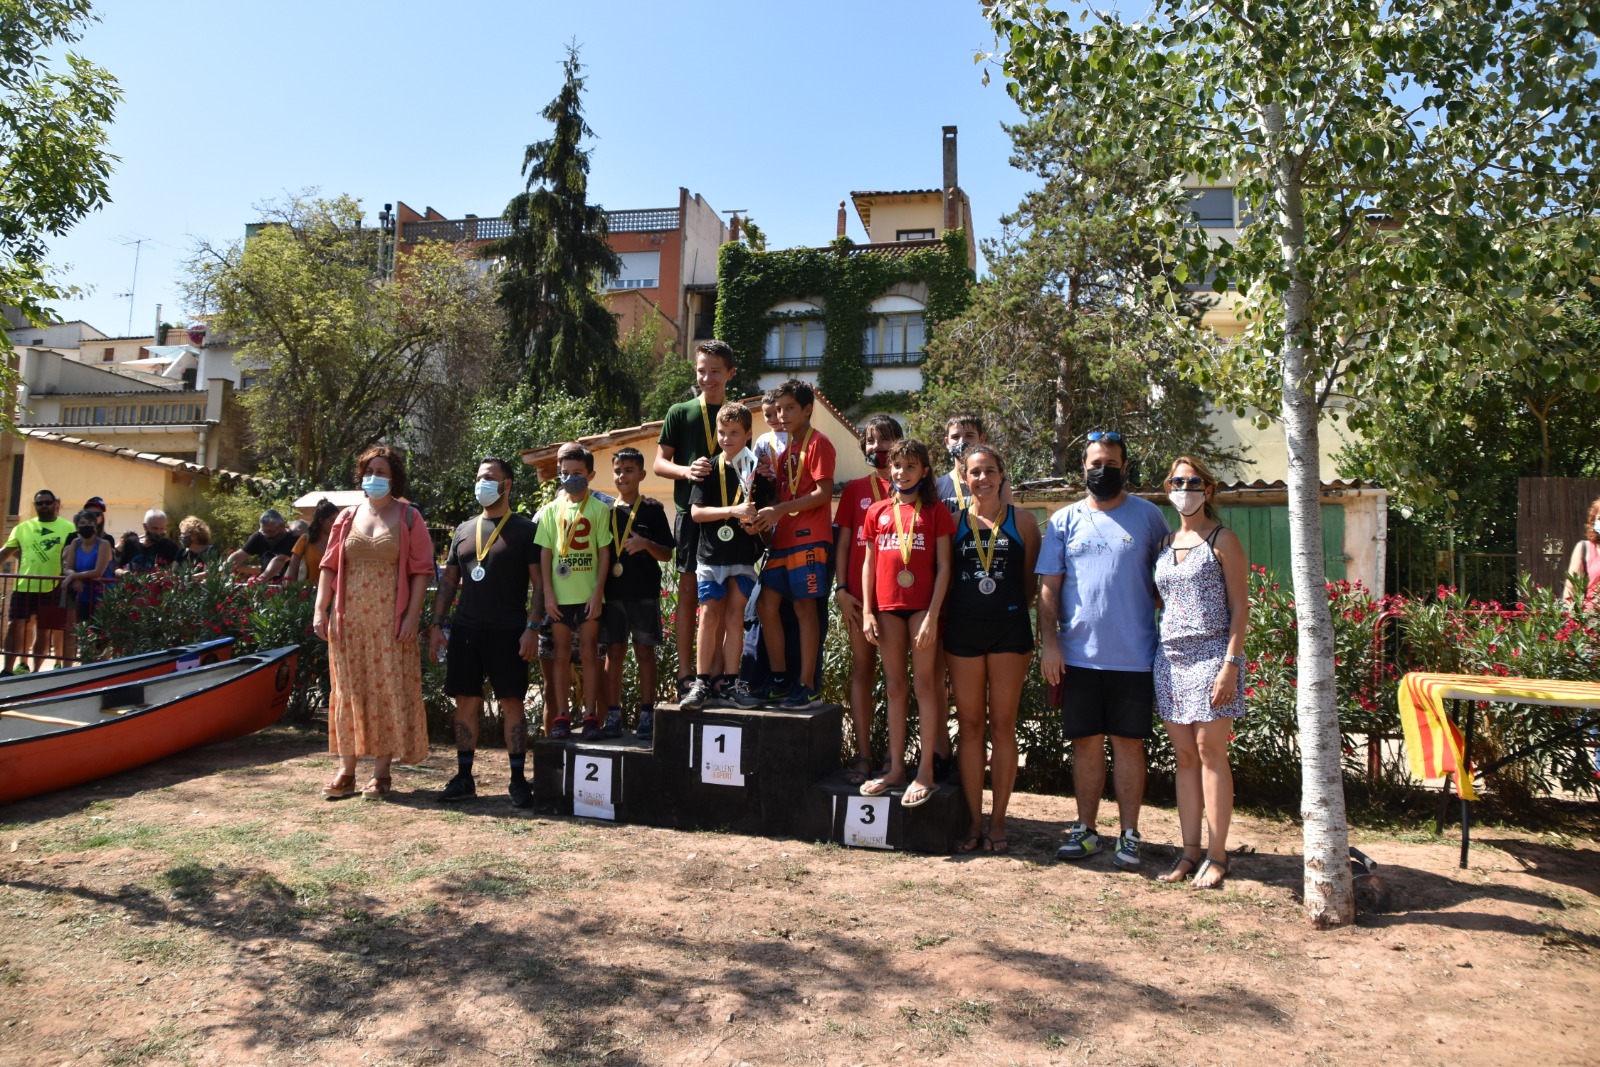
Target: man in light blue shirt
x=1097, y=563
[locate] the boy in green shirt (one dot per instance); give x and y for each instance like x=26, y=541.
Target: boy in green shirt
x=574, y=532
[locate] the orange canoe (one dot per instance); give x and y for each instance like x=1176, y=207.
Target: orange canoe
x=17, y=687
x=69, y=739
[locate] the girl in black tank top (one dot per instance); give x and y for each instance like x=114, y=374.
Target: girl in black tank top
x=988, y=639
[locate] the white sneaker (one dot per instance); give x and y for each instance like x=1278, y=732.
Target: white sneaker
x=1127, y=854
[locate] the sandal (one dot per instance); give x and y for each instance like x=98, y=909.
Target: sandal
x=916, y=795
x=343, y=785
x=1000, y=846
x=972, y=844
x=1205, y=865
x=878, y=786
x=859, y=769
x=1175, y=873
x=377, y=789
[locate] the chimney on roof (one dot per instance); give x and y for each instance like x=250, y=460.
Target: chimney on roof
x=952, y=187
x=733, y=228
x=843, y=218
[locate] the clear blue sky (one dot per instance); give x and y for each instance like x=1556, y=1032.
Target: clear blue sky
x=781, y=109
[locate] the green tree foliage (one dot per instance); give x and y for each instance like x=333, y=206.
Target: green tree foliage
x=344, y=357
x=558, y=327
x=752, y=235
x=1055, y=342
x=54, y=165
x=504, y=424
x=1395, y=162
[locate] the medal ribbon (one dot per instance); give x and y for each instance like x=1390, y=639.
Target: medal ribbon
x=705, y=420
x=565, y=534
x=794, y=463
x=984, y=561
x=722, y=483
x=955, y=480
x=633, y=513
x=477, y=528
x=877, y=487
x=906, y=542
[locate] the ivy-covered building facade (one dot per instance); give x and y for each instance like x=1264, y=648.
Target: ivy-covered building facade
x=853, y=318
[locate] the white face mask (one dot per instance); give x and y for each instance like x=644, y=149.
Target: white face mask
x=487, y=492
x=1187, y=501
x=1597, y=526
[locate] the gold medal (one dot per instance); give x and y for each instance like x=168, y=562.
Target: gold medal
x=907, y=541
x=616, y=569
x=794, y=463
x=906, y=579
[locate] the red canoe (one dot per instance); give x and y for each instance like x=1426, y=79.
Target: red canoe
x=67, y=740
x=17, y=687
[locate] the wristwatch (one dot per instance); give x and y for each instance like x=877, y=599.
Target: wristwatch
x=1237, y=661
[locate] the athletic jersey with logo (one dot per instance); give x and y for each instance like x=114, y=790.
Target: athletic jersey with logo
x=857, y=497
x=39, y=544
x=574, y=535
x=1007, y=571
x=924, y=526
x=808, y=460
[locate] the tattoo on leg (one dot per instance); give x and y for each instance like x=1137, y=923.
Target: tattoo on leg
x=466, y=736
x=518, y=739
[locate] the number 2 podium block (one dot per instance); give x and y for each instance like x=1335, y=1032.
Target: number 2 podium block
x=610, y=779
x=747, y=771
x=836, y=811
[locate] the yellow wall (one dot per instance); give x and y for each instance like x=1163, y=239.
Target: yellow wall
x=888, y=217
x=130, y=487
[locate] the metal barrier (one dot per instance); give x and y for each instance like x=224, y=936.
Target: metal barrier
x=44, y=633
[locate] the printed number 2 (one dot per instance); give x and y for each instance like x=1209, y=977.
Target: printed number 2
x=594, y=772
x=722, y=742
x=869, y=814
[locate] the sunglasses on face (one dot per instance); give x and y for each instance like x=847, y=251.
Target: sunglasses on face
x=1186, y=483
x=1095, y=436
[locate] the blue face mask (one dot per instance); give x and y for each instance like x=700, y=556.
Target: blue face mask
x=574, y=484
x=911, y=489
x=375, y=486
x=487, y=492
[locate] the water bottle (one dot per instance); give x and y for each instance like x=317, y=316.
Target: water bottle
x=444, y=649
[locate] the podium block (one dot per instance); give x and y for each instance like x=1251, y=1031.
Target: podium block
x=835, y=810
x=612, y=779
x=745, y=771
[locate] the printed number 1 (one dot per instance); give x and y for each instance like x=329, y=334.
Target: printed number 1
x=869, y=814
x=594, y=772
x=722, y=743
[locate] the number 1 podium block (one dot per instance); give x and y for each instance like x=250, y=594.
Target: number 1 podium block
x=836, y=811
x=746, y=771
x=609, y=779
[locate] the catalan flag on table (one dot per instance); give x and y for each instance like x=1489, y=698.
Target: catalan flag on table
x=1434, y=746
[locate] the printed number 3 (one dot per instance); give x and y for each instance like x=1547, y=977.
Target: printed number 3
x=869, y=814
x=594, y=772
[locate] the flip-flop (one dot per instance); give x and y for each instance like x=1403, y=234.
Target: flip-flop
x=915, y=796
x=1000, y=846
x=877, y=787
x=855, y=775
x=972, y=844
x=1205, y=865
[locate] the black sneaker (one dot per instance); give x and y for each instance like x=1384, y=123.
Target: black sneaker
x=613, y=726
x=461, y=787
x=647, y=726
x=521, y=794
x=800, y=698
x=696, y=697
x=738, y=695
x=591, y=729
x=561, y=729
x=772, y=695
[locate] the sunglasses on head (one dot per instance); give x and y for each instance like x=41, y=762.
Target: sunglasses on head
x=1096, y=436
x=1186, y=483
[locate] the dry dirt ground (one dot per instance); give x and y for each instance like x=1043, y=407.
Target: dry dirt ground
x=212, y=910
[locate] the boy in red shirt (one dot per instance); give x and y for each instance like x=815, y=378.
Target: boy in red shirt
x=880, y=432
x=797, y=564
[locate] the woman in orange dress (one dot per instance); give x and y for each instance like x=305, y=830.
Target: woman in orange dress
x=373, y=576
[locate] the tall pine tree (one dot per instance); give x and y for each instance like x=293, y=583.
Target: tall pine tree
x=557, y=324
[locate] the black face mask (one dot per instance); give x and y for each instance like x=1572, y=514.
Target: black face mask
x=1104, y=482
x=86, y=533
x=956, y=451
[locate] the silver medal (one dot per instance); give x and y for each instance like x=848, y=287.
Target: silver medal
x=616, y=569
x=478, y=573
x=986, y=586
x=563, y=569
x=725, y=533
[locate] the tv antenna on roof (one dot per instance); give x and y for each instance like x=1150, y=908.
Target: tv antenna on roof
x=137, y=241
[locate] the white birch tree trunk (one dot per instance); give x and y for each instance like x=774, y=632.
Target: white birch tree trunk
x=1329, y=894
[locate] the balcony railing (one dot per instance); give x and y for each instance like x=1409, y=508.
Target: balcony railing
x=457, y=231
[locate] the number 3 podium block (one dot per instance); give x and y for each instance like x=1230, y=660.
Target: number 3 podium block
x=613, y=780
x=836, y=811
x=747, y=771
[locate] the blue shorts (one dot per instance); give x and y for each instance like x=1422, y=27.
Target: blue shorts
x=713, y=590
x=800, y=573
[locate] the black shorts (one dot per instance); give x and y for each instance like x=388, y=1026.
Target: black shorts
x=1119, y=703
x=475, y=654
x=27, y=605
x=979, y=637
x=687, y=532
x=638, y=620
x=571, y=616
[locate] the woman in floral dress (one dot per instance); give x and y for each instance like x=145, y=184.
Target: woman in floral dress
x=373, y=578
x=1203, y=579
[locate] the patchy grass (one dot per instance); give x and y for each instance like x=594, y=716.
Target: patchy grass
x=940, y=1026
x=191, y=881
x=165, y=1042
x=10, y=973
